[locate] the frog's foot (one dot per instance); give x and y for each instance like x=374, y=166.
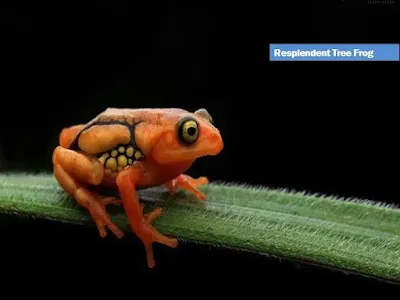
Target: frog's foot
x=148, y=235
x=189, y=184
x=155, y=236
x=141, y=224
x=97, y=209
x=74, y=171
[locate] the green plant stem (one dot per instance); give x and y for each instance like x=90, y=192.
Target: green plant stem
x=356, y=236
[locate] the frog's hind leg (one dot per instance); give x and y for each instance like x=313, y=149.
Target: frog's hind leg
x=74, y=172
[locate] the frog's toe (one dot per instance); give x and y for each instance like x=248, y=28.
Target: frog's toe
x=111, y=200
x=103, y=220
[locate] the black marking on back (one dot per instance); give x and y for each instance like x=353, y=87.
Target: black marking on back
x=74, y=145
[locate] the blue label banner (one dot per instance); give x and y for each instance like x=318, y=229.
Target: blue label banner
x=334, y=52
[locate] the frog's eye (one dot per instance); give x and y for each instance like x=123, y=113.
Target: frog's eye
x=202, y=112
x=188, y=130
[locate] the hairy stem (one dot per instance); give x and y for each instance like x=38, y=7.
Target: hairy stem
x=352, y=235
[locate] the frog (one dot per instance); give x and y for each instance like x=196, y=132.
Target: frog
x=129, y=149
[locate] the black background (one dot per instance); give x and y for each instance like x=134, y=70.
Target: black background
x=328, y=128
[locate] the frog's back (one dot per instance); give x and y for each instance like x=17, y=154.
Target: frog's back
x=133, y=116
x=110, y=136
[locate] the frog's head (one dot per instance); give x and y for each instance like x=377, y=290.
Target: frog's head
x=182, y=136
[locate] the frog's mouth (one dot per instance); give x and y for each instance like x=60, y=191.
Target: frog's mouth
x=207, y=146
x=194, y=153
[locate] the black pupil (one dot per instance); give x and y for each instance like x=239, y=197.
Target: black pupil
x=191, y=131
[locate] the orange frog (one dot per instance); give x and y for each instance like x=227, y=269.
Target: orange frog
x=131, y=149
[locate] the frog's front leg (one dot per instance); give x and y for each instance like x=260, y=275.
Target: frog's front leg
x=127, y=182
x=74, y=172
x=189, y=184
